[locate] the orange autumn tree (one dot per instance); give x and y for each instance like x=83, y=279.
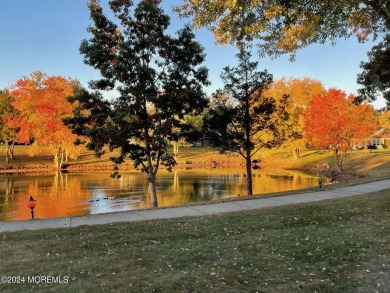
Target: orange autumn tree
x=333, y=120
x=299, y=91
x=41, y=102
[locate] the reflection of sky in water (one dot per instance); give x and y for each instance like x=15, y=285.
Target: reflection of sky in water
x=101, y=203
x=74, y=194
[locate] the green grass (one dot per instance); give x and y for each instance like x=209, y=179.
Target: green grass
x=331, y=246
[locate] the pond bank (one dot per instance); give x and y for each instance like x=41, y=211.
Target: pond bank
x=360, y=166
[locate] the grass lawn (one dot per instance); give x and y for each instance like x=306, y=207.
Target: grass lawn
x=331, y=246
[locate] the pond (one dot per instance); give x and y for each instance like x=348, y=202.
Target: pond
x=76, y=194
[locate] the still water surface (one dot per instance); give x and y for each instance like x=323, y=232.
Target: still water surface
x=75, y=194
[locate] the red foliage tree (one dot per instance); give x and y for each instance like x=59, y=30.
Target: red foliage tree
x=333, y=120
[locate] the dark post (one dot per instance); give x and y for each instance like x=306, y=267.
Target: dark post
x=320, y=182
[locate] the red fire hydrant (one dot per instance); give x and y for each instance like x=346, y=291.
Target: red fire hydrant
x=31, y=203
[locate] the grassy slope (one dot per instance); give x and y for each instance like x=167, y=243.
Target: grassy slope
x=375, y=164
x=331, y=246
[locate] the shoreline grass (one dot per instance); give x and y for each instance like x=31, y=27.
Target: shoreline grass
x=331, y=246
x=200, y=156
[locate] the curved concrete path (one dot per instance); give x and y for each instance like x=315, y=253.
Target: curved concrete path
x=195, y=210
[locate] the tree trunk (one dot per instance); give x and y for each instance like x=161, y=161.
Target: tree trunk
x=150, y=171
x=6, y=152
x=296, y=153
x=248, y=145
x=56, y=159
x=61, y=159
x=339, y=164
x=153, y=192
x=12, y=150
x=9, y=151
x=249, y=176
x=152, y=180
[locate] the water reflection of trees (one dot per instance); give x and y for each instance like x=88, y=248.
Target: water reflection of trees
x=55, y=194
x=7, y=192
x=184, y=187
x=71, y=194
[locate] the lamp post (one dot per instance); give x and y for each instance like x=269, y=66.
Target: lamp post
x=31, y=203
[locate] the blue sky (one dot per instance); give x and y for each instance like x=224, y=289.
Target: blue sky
x=45, y=35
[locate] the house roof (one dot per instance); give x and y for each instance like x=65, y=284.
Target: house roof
x=381, y=133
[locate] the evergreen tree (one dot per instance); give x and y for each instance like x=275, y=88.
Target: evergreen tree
x=242, y=120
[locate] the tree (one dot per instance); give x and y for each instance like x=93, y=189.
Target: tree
x=195, y=122
x=299, y=91
x=333, y=120
x=159, y=79
x=284, y=26
x=384, y=119
x=242, y=120
x=8, y=125
x=375, y=77
x=41, y=103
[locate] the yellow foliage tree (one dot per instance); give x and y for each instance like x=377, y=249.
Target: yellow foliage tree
x=299, y=91
x=384, y=119
x=280, y=27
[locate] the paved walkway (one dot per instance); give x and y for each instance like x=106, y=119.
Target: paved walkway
x=195, y=210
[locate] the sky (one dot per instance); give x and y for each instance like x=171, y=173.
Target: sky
x=45, y=35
